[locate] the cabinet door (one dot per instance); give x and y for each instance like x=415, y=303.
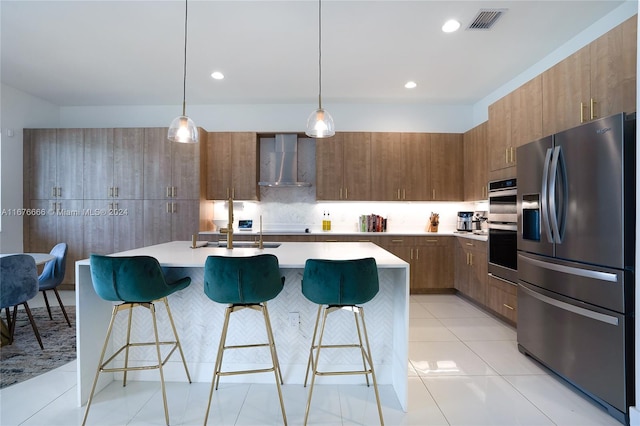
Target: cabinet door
x=606, y=74
x=184, y=219
x=329, y=172
x=475, y=163
x=98, y=164
x=43, y=232
x=98, y=237
x=157, y=164
x=70, y=229
x=219, y=165
x=128, y=163
x=244, y=165
x=446, y=167
x=415, y=167
x=42, y=150
x=500, y=134
x=526, y=113
x=565, y=92
x=356, y=183
x=432, y=265
x=128, y=225
x=157, y=221
x=386, y=174
x=629, y=65
x=69, y=163
x=185, y=171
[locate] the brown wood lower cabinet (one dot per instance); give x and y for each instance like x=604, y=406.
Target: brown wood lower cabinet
x=471, y=268
x=430, y=260
x=502, y=298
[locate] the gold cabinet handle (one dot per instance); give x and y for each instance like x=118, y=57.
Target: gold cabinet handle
x=174, y=208
x=53, y=191
x=110, y=192
x=411, y=255
x=470, y=244
x=397, y=241
x=58, y=191
x=582, y=112
x=233, y=193
x=117, y=192
x=508, y=307
x=404, y=194
x=506, y=155
x=174, y=191
x=470, y=259
x=168, y=192
x=168, y=208
x=346, y=193
x=592, y=107
x=417, y=253
x=398, y=196
x=513, y=154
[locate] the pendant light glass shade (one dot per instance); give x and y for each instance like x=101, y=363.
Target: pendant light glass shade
x=182, y=128
x=320, y=124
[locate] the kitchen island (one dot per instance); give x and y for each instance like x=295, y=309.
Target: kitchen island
x=199, y=320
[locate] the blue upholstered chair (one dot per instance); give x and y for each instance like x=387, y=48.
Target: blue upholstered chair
x=337, y=285
x=134, y=281
x=52, y=276
x=18, y=284
x=244, y=283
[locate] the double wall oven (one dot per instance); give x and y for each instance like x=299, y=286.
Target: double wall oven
x=503, y=230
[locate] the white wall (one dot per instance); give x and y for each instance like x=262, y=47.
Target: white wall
x=19, y=110
x=278, y=117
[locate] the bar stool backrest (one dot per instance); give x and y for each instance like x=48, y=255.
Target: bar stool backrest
x=131, y=278
x=340, y=282
x=242, y=280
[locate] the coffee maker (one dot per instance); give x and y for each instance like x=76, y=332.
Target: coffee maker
x=464, y=222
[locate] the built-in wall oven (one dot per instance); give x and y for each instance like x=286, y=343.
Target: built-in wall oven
x=503, y=230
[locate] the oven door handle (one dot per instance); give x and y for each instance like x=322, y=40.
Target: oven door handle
x=506, y=226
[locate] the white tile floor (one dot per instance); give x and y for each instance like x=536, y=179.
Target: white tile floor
x=465, y=369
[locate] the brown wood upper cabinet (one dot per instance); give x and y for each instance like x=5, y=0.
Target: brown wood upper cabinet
x=446, y=167
x=475, y=163
x=343, y=167
x=232, y=166
x=596, y=81
x=514, y=120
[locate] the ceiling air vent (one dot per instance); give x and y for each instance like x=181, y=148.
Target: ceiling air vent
x=485, y=19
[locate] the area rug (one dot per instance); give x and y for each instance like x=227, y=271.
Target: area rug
x=24, y=359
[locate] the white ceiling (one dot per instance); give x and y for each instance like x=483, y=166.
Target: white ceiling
x=94, y=53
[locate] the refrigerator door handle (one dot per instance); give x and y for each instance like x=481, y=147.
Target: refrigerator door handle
x=571, y=308
x=544, y=197
x=587, y=273
x=553, y=208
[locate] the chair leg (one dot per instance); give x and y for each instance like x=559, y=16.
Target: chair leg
x=152, y=309
x=46, y=302
x=218, y=364
x=64, y=311
x=274, y=359
x=33, y=324
x=313, y=346
x=128, y=342
x=315, y=365
x=370, y=360
x=100, y=364
x=175, y=334
x=364, y=365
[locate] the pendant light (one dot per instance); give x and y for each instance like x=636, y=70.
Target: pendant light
x=320, y=123
x=182, y=128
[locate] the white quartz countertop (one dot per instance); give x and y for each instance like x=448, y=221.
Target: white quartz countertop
x=290, y=255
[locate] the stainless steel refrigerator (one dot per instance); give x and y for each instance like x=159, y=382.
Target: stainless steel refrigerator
x=576, y=251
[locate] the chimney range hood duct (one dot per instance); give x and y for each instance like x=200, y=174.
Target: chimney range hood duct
x=283, y=163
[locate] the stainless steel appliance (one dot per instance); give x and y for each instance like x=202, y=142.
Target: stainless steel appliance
x=464, y=221
x=576, y=223
x=502, y=225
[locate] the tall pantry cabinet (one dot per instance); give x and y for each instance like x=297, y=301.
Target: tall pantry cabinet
x=53, y=190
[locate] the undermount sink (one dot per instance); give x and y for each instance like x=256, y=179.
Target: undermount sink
x=240, y=244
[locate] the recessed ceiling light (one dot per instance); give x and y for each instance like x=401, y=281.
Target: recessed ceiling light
x=217, y=75
x=451, y=26
x=410, y=84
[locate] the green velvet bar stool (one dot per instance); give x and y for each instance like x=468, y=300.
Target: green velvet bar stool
x=134, y=281
x=244, y=283
x=337, y=285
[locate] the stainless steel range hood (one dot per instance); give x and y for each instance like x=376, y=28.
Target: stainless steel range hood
x=282, y=163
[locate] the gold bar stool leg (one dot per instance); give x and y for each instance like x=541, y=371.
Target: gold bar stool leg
x=313, y=345
x=127, y=344
x=100, y=364
x=364, y=365
x=370, y=360
x=315, y=365
x=152, y=309
x=274, y=359
x=216, y=368
x=175, y=334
